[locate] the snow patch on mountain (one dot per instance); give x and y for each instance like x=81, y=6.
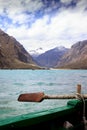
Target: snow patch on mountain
x=36, y=52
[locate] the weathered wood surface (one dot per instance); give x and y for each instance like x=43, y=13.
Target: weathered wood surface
x=40, y=96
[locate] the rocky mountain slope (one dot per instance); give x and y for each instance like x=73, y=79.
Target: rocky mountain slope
x=76, y=57
x=13, y=55
x=51, y=57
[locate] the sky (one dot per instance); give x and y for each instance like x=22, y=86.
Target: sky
x=44, y=23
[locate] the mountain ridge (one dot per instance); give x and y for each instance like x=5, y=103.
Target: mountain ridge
x=76, y=57
x=51, y=57
x=13, y=55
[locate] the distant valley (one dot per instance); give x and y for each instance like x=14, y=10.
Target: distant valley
x=14, y=56
x=61, y=57
x=50, y=58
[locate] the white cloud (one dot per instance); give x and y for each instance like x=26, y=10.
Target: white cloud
x=20, y=5
x=82, y=5
x=66, y=27
x=16, y=9
x=66, y=1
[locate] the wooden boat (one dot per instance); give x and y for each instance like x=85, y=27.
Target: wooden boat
x=72, y=116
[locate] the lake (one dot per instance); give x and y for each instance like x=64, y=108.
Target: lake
x=15, y=82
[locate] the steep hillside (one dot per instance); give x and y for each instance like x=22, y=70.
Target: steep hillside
x=13, y=55
x=76, y=57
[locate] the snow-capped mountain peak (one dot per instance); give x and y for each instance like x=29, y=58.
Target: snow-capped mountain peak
x=36, y=52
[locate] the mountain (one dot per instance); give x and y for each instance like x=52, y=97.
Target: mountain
x=76, y=57
x=13, y=55
x=51, y=57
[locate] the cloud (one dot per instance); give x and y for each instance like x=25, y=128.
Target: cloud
x=66, y=1
x=19, y=11
x=20, y=5
x=82, y=5
x=44, y=24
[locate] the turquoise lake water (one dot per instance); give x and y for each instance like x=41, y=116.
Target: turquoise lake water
x=15, y=82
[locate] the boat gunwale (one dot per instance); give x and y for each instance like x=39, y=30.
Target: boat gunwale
x=34, y=118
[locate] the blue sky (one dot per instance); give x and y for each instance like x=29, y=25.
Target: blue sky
x=44, y=23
